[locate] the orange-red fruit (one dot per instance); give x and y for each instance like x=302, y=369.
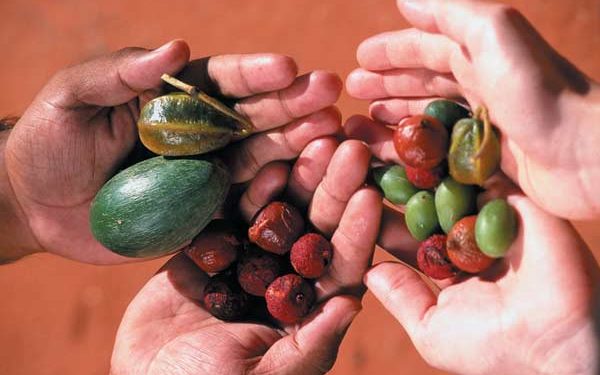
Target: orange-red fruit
x=462, y=248
x=421, y=141
x=215, y=249
x=224, y=298
x=256, y=270
x=310, y=255
x=425, y=178
x=289, y=298
x=432, y=258
x=276, y=227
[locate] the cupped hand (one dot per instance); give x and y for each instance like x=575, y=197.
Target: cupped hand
x=530, y=313
x=82, y=126
x=488, y=54
x=166, y=331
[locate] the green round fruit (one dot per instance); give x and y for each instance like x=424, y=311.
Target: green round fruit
x=394, y=183
x=496, y=228
x=157, y=206
x=453, y=201
x=448, y=112
x=421, y=217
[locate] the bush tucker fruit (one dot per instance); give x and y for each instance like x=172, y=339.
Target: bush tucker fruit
x=432, y=258
x=446, y=111
x=253, y=288
x=394, y=183
x=224, y=298
x=462, y=248
x=189, y=123
x=289, y=298
x=453, y=201
x=425, y=178
x=157, y=206
x=276, y=227
x=421, y=141
x=256, y=270
x=474, y=151
x=215, y=248
x=495, y=228
x=421, y=217
x=310, y=255
x=473, y=155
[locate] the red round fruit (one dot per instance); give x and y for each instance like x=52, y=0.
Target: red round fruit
x=256, y=270
x=432, y=258
x=224, y=298
x=215, y=249
x=276, y=227
x=462, y=248
x=425, y=178
x=289, y=298
x=421, y=141
x=310, y=255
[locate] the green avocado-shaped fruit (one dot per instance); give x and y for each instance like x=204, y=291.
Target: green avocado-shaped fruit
x=447, y=111
x=394, y=183
x=453, y=201
x=421, y=217
x=157, y=206
x=495, y=228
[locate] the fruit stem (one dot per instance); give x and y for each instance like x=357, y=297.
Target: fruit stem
x=191, y=90
x=481, y=113
x=243, y=131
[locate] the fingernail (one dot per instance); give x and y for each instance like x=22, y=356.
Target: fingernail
x=345, y=322
x=414, y=5
x=163, y=48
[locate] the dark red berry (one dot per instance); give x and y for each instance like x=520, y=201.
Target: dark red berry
x=432, y=258
x=310, y=255
x=276, y=227
x=225, y=299
x=215, y=249
x=256, y=270
x=421, y=141
x=462, y=248
x=289, y=298
x=425, y=178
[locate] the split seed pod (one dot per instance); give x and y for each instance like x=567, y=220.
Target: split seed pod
x=474, y=150
x=189, y=122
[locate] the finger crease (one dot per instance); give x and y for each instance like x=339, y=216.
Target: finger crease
x=325, y=187
x=284, y=106
x=124, y=83
x=243, y=78
x=248, y=155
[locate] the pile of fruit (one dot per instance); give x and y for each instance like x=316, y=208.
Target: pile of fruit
x=167, y=203
x=441, y=209
x=273, y=264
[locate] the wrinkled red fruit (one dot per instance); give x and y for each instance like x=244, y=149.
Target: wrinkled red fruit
x=215, y=249
x=421, y=141
x=276, y=227
x=256, y=270
x=425, y=178
x=432, y=258
x=310, y=255
x=224, y=298
x=289, y=298
x=462, y=248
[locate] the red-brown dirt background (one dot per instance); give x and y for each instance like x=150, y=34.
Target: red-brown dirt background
x=60, y=317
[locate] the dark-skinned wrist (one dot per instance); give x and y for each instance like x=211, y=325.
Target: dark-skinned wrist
x=16, y=238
